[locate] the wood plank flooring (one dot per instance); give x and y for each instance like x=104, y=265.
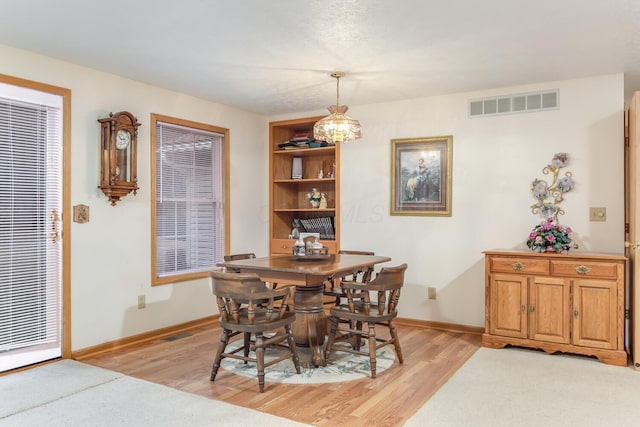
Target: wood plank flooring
x=431, y=357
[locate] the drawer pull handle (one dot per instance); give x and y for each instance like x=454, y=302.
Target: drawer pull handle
x=575, y=312
x=582, y=269
x=285, y=246
x=524, y=308
x=517, y=266
x=533, y=308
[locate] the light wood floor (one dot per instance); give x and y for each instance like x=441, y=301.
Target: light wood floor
x=431, y=357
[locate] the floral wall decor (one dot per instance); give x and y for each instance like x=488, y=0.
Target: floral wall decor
x=549, y=235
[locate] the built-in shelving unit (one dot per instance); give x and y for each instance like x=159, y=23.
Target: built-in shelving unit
x=288, y=196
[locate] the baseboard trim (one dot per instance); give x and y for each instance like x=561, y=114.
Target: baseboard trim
x=441, y=326
x=144, y=337
x=172, y=330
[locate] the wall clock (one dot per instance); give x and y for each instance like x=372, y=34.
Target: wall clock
x=118, y=151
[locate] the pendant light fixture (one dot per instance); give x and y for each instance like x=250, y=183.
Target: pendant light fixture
x=337, y=127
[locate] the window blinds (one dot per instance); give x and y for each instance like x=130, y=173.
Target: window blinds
x=189, y=199
x=30, y=260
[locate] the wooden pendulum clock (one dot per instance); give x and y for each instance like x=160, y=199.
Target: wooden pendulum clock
x=118, y=150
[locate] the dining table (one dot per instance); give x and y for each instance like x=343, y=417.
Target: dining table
x=308, y=274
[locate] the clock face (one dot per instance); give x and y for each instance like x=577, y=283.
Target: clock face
x=123, y=139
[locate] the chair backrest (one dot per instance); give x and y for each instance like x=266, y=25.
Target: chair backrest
x=234, y=257
x=241, y=295
x=366, y=273
x=386, y=286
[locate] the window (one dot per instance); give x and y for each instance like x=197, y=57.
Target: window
x=189, y=198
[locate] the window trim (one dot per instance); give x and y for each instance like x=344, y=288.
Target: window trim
x=155, y=280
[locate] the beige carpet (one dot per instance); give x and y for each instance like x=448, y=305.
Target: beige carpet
x=518, y=387
x=73, y=394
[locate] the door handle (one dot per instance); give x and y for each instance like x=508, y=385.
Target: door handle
x=54, y=234
x=631, y=245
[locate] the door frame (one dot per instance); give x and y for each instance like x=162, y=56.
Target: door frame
x=66, y=197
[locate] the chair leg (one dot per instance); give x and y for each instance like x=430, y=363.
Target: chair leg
x=260, y=360
x=396, y=341
x=224, y=340
x=292, y=347
x=372, y=348
x=247, y=345
x=332, y=336
x=358, y=341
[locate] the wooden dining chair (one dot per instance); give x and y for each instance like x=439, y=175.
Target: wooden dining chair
x=234, y=257
x=247, y=255
x=374, y=303
x=332, y=287
x=248, y=307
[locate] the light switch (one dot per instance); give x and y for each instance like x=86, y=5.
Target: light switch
x=597, y=214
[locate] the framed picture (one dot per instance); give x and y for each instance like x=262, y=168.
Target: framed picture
x=421, y=176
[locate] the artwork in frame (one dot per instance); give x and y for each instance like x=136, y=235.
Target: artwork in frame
x=421, y=176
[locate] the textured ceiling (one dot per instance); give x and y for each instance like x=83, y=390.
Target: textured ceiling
x=275, y=56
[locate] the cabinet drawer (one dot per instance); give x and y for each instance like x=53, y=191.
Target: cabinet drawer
x=578, y=268
x=519, y=265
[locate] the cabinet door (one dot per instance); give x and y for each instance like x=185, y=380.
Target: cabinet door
x=549, y=309
x=508, y=300
x=595, y=311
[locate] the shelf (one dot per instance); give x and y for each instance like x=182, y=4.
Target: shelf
x=302, y=152
x=303, y=181
x=305, y=210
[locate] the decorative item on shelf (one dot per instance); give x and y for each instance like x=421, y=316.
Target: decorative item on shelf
x=314, y=197
x=296, y=168
x=323, y=201
x=118, y=155
x=295, y=231
x=549, y=235
x=337, y=127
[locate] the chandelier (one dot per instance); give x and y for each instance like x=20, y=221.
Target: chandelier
x=337, y=126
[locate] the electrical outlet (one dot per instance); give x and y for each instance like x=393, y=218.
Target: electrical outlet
x=141, y=301
x=432, y=293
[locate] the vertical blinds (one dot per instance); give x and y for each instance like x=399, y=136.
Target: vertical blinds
x=189, y=199
x=30, y=204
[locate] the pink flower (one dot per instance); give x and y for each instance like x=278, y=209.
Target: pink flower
x=551, y=238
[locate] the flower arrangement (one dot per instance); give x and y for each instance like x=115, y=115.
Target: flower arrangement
x=314, y=197
x=550, y=237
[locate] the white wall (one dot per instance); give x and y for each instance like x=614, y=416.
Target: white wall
x=494, y=161
x=110, y=263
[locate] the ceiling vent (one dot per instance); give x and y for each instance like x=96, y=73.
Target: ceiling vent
x=518, y=103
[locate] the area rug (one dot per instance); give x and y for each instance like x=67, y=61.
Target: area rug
x=518, y=387
x=340, y=367
x=73, y=394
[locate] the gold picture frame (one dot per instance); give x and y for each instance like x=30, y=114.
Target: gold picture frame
x=421, y=170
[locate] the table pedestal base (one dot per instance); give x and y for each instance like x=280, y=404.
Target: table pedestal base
x=310, y=326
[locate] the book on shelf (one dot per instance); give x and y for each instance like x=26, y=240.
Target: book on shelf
x=324, y=226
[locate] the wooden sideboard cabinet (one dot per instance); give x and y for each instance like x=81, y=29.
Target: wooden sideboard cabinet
x=572, y=303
